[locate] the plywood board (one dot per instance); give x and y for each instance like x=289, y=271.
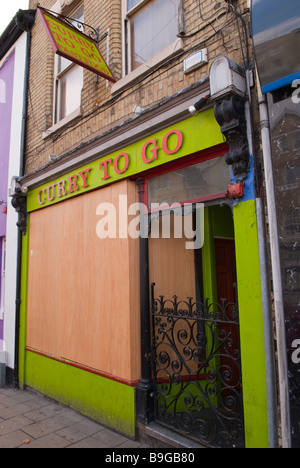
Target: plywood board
x=83, y=292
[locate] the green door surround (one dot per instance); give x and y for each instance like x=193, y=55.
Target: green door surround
x=251, y=326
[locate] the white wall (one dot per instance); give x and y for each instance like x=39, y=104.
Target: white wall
x=12, y=218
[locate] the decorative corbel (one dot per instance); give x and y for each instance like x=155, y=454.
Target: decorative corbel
x=19, y=202
x=230, y=115
x=229, y=91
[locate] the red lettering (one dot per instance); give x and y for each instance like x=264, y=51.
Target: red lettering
x=67, y=51
x=61, y=29
x=69, y=43
x=88, y=62
x=61, y=192
x=91, y=46
x=51, y=25
x=77, y=39
x=179, y=142
x=116, y=165
x=105, y=164
x=85, y=52
x=96, y=66
x=40, y=200
x=84, y=175
x=58, y=37
x=153, y=151
x=50, y=198
x=73, y=187
x=97, y=59
x=72, y=37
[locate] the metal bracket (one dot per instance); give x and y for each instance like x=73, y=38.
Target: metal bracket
x=93, y=34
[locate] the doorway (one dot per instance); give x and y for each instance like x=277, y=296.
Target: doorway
x=195, y=334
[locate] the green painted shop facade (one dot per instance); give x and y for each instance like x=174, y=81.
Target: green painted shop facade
x=177, y=337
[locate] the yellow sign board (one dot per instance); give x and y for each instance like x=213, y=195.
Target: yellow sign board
x=72, y=44
x=149, y=154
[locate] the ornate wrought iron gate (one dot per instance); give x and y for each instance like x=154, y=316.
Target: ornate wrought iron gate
x=197, y=371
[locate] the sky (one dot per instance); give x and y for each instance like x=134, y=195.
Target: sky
x=270, y=13
x=9, y=10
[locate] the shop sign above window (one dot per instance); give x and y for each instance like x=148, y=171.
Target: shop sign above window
x=165, y=146
x=72, y=44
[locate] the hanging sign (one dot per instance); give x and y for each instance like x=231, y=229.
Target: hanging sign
x=75, y=46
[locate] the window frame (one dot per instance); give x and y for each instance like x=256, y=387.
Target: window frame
x=190, y=160
x=127, y=40
x=59, y=74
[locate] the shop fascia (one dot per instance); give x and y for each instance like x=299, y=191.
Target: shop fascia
x=160, y=148
x=109, y=168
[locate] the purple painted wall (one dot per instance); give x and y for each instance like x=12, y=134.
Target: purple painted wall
x=6, y=92
x=1, y=321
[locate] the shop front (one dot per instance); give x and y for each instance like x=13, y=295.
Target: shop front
x=141, y=293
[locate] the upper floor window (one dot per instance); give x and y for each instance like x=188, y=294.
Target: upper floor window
x=150, y=27
x=68, y=79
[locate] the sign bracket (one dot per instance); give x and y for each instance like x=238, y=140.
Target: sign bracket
x=93, y=34
x=72, y=43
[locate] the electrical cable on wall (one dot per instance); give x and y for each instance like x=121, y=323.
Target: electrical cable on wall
x=223, y=11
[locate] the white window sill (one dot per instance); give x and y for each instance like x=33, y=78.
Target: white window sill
x=62, y=123
x=144, y=69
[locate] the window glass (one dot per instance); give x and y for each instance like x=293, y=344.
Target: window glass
x=70, y=85
x=196, y=182
x=152, y=28
x=69, y=78
x=78, y=16
x=132, y=4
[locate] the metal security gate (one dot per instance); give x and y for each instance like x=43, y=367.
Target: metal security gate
x=197, y=370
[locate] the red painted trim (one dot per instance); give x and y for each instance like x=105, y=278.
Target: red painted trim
x=185, y=161
x=48, y=32
x=106, y=375
x=183, y=378
x=190, y=160
x=215, y=196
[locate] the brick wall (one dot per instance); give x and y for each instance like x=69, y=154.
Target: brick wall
x=220, y=33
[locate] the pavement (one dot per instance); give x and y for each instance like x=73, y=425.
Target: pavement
x=31, y=420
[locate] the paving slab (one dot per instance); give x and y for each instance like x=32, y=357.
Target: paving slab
x=80, y=431
x=31, y=420
x=13, y=440
x=49, y=441
x=13, y=424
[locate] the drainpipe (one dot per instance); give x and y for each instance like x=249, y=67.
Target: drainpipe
x=268, y=328
x=144, y=391
x=24, y=20
x=276, y=271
